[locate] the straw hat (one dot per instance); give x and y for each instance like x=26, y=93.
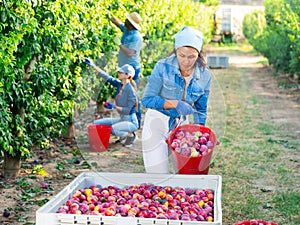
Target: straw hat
x=135, y=19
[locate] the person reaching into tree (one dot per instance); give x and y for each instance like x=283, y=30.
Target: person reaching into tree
x=130, y=46
x=125, y=103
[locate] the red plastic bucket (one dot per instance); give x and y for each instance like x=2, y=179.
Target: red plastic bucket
x=255, y=222
x=192, y=165
x=99, y=137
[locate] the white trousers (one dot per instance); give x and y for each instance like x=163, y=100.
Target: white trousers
x=154, y=145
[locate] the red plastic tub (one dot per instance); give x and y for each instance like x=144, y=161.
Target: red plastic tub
x=192, y=165
x=255, y=222
x=99, y=137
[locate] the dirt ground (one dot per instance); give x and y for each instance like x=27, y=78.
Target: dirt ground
x=283, y=106
x=282, y=93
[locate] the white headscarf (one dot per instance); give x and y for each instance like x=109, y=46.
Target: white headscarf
x=189, y=37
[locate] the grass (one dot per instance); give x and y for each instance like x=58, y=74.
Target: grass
x=288, y=204
x=259, y=180
x=264, y=62
x=238, y=48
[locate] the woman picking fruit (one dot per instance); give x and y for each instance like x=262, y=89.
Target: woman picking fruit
x=130, y=46
x=126, y=103
x=178, y=86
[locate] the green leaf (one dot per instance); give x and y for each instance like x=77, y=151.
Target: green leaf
x=60, y=167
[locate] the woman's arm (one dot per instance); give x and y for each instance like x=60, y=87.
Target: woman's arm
x=106, y=77
x=128, y=52
x=101, y=73
x=113, y=19
x=151, y=98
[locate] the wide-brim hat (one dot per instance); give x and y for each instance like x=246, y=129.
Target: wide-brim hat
x=135, y=19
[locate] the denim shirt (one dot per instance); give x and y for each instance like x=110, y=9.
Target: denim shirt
x=128, y=97
x=132, y=40
x=166, y=82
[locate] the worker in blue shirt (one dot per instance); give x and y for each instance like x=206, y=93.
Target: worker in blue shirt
x=130, y=46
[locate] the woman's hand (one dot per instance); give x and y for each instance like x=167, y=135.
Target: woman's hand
x=89, y=62
x=109, y=105
x=184, y=108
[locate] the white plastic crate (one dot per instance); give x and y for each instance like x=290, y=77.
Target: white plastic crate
x=47, y=215
x=217, y=61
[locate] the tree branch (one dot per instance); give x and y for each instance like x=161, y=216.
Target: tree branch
x=29, y=67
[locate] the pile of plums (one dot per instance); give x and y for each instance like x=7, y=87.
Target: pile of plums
x=191, y=144
x=143, y=201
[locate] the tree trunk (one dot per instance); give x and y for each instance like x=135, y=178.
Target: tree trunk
x=70, y=131
x=100, y=108
x=101, y=111
x=11, y=166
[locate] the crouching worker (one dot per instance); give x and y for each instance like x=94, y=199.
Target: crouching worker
x=125, y=104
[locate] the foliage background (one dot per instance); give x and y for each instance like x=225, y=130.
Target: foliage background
x=275, y=33
x=43, y=44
